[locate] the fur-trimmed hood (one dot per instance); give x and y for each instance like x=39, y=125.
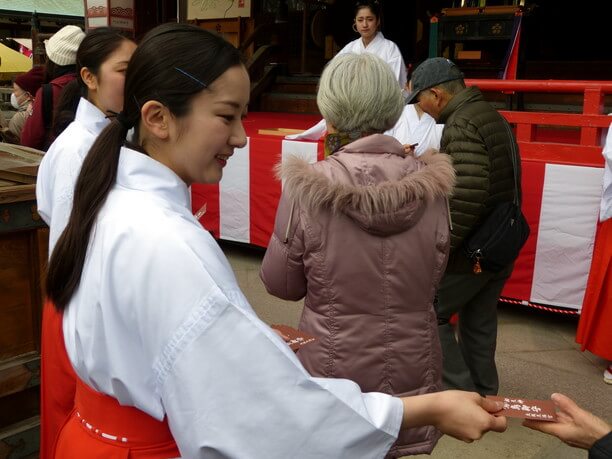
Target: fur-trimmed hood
x=371, y=181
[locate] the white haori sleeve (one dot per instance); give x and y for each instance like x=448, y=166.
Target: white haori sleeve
x=231, y=389
x=57, y=175
x=406, y=123
x=428, y=134
x=58, y=172
x=391, y=54
x=43, y=193
x=411, y=129
x=355, y=46
x=396, y=62
x=313, y=133
x=386, y=50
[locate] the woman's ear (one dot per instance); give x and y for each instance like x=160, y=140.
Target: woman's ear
x=155, y=117
x=90, y=80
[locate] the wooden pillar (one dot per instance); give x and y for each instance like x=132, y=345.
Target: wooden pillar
x=306, y=4
x=181, y=8
x=23, y=258
x=38, y=51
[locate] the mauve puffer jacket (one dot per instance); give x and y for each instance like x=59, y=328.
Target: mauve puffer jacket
x=364, y=236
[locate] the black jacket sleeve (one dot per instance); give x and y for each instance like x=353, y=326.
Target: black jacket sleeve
x=602, y=448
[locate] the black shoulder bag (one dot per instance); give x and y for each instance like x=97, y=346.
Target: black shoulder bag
x=498, y=240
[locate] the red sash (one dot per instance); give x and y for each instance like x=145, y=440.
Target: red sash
x=78, y=422
x=100, y=428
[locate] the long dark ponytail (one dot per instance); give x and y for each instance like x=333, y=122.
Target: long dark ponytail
x=93, y=51
x=172, y=65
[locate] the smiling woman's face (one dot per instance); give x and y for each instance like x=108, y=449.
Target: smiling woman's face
x=208, y=135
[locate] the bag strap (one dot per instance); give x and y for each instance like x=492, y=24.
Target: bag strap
x=513, y=158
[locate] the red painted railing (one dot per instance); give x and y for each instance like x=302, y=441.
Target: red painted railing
x=590, y=122
x=550, y=137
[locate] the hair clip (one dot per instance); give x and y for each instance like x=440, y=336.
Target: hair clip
x=204, y=85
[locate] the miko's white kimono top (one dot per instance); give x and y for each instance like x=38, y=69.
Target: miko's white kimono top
x=411, y=129
x=383, y=48
x=386, y=50
x=159, y=323
x=61, y=165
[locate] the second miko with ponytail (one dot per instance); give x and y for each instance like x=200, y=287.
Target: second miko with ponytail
x=84, y=109
x=101, y=60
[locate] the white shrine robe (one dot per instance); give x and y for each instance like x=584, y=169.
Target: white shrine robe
x=386, y=50
x=159, y=323
x=383, y=48
x=61, y=165
x=411, y=129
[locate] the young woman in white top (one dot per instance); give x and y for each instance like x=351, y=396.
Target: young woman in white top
x=416, y=130
x=155, y=324
x=102, y=59
x=366, y=23
x=83, y=112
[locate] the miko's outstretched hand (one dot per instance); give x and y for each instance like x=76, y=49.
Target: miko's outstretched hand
x=466, y=416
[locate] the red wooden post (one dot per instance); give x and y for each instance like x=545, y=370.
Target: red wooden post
x=593, y=105
x=525, y=132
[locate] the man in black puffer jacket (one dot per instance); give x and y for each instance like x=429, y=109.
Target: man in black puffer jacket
x=479, y=140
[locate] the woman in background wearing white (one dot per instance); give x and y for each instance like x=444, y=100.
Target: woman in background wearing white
x=366, y=23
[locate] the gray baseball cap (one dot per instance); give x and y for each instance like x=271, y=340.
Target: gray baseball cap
x=432, y=72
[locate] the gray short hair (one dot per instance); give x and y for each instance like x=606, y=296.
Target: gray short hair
x=359, y=92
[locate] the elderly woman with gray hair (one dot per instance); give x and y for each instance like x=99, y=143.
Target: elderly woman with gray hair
x=364, y=236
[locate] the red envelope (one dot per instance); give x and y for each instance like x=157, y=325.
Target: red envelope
x=293, y=337
x=517, y=407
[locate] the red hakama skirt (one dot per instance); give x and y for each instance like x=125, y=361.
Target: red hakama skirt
x=78, y=422
x=595, y=327
x=58, y=381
